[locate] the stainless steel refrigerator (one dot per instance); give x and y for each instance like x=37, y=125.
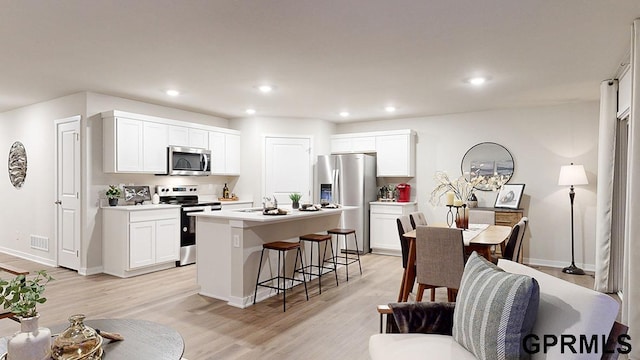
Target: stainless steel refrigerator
x=348, y=180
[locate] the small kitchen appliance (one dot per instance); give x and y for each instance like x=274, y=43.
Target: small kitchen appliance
x=404, y=192
x=187, y=197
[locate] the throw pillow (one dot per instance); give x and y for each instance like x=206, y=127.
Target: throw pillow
x=494, y=311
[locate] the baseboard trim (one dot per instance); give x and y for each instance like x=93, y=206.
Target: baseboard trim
x=557, y=264
x=30, y=257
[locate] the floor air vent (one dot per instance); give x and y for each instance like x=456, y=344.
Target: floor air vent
x=40, y=242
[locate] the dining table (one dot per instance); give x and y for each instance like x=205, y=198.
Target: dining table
x=478, y=237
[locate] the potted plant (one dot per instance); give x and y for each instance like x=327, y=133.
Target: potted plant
x=21, y=296
x=113, y=193
x=295, y=198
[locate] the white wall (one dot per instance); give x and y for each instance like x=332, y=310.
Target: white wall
x=30, y=210
x=540, y=140
x=254, y=130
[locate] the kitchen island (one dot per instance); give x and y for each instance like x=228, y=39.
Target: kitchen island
x=230, y=243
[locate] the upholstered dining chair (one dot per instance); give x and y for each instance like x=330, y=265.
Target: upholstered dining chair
x=514, y=244
x=439, y=259
x=417, y=218
x=404, y=226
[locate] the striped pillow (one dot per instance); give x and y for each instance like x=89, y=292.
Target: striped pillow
x=494, y=311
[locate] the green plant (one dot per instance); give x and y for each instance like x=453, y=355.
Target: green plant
x=295, y=197
x=113, y=192
x=21, y=295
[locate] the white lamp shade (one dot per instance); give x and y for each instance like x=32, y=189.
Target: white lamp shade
x=572, y=175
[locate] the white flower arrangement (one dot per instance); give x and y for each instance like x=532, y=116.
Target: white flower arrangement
x=461, y=187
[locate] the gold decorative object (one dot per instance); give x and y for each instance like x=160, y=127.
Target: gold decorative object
x=77, y=342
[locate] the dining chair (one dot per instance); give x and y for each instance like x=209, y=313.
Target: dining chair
x=404, y=226
x=417, y=218
x=514, y=244
x=439, y=259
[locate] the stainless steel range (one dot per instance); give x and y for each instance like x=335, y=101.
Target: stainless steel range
x=187, y=196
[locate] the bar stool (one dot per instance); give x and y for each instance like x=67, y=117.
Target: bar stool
x=347, y=259
x=282, y=247
x=318, y=239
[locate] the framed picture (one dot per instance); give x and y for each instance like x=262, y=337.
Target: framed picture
x=509, y=196
x=137, y=194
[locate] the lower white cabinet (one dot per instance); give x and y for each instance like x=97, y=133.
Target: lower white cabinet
x=383, y=232
x=135, y=241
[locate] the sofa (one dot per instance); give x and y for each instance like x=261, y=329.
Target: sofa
x=559, y=320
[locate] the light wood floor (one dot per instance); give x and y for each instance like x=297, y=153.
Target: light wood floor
x=334, y=325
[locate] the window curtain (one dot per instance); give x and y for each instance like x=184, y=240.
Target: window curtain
x=606, y=163
x=631, y=288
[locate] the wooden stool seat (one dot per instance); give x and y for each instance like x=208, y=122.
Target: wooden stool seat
x=316, y=237
x=339, y=231
x=320, y=238
x=281, y=278
x=281, y=245
x=347, y=259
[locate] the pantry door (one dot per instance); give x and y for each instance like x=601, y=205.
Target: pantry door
x=68, y=192
x=287, y=168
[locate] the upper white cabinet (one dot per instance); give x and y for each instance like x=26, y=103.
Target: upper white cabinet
x=187, y=136
x=134, y=146
x=396, y=155
x=225, y=153
x=395, y=150
x=352, y=144
x=135, y=143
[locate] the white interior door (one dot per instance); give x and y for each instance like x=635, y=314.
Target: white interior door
x=287, y=168
x=68, y=192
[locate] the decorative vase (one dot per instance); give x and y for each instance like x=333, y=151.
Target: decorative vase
x=462, y=218
x=78, y=341
x=31, y=343
x=113, y=202
x=295, y=205
x=473, y=201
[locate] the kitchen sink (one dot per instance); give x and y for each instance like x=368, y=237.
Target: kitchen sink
x=249, y=210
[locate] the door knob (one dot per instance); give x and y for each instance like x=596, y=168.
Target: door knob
x=58, y=202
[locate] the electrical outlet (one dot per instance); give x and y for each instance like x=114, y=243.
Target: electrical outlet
x=236, y=241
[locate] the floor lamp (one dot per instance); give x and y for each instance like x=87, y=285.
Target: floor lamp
x=572, y=175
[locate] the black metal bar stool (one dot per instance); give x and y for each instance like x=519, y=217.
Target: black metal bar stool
x=318, y=239
x=282, y=247
x=347, y=259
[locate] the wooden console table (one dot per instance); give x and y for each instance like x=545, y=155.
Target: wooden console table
x=504, y=217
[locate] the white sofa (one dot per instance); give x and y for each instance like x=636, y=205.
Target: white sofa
x=564, y=309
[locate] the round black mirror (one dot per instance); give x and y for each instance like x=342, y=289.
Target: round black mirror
x=487, y=165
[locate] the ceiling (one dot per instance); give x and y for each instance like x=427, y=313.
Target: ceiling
x=323, y=56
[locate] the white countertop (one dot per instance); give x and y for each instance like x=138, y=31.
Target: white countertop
x=392, y=203
x=141, y=207
x=257, y=216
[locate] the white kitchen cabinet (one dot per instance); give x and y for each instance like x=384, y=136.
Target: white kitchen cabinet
x=225, y=153
x=128, y=146
x=178, y=135
x=154, y=144
x=137, y=143
x=395, y=155
x=352, y=144
x=140, y=241
x=187, y=136
x=198, y=138
x=134, y=146
x=383, y=232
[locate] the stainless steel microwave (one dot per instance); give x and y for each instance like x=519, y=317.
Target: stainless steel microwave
x=189, y=161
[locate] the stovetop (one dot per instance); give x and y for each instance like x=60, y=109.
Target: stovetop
x=182, y=195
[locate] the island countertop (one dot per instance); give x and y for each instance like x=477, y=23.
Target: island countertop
x=256, y=215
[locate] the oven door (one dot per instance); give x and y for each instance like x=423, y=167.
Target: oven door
x=188, y=225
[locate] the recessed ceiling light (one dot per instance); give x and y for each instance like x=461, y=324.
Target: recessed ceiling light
x=173, y=92
x=344, y=113
x=250, y=111
x=265, y=88
x=390, y=108
x=479, y=80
